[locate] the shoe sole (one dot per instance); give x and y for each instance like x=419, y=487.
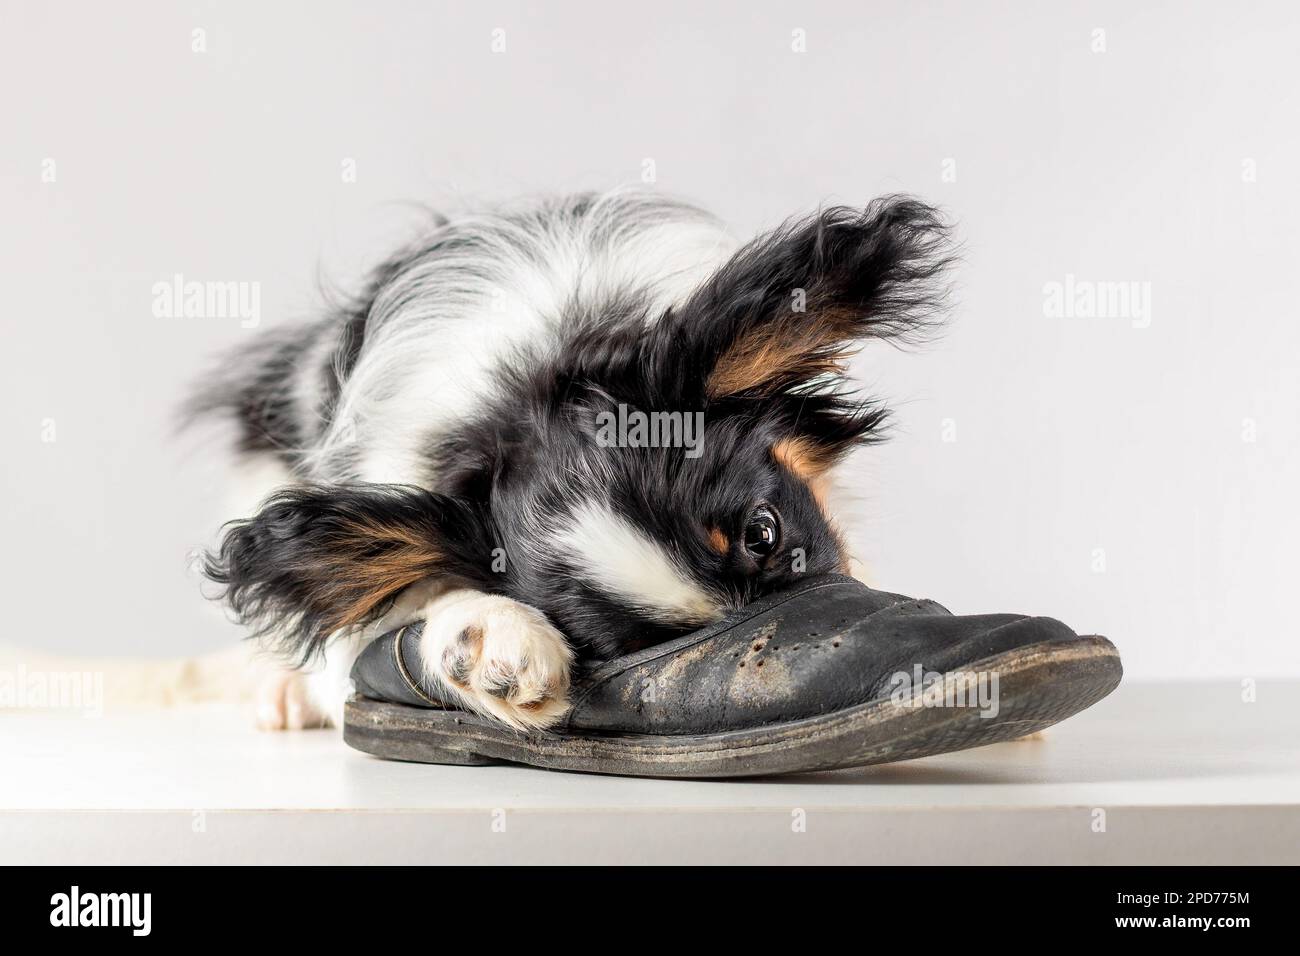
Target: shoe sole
x=1038, y=685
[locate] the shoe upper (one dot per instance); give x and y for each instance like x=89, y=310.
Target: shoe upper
x=824, y=645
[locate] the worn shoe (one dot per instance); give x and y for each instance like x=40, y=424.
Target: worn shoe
x=828, y=674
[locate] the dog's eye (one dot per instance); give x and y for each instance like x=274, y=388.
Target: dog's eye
x=762, y=532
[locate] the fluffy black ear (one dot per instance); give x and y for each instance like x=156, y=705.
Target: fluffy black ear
x=791, y=305
x=318, y=559
x=777, y=323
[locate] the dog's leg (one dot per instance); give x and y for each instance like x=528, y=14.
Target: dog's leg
x=501, y=657
x=284, y=701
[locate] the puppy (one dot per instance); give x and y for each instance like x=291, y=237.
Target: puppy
x=562, y=431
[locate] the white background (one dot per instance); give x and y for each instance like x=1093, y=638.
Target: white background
x=1078, y=442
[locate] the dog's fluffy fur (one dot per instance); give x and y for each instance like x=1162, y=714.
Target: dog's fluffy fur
x=439, y=439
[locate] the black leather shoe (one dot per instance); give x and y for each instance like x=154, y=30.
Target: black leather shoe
x=828, y=674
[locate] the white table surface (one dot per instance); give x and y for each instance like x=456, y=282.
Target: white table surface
x=1177, y=773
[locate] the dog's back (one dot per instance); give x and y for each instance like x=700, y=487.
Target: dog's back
x=363, y=393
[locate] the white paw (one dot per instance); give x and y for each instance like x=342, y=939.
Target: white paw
x=503, y=658
x=284, y=702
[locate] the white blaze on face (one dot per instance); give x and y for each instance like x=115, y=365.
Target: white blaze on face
x=626, y=562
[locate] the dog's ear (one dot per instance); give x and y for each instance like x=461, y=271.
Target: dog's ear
x=318, y=559
x=792, y=305
x=771, y=331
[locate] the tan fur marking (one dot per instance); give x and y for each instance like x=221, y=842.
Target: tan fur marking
x=803, y=457
x=810, y=465
x=719, y=541
x=774, y=357
x=364, y=581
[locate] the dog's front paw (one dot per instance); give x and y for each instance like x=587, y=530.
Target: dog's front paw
x=503, y=657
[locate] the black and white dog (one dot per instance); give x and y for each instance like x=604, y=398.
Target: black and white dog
x=445, y=448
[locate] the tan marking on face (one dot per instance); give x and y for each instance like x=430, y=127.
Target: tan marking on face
x=719, y=541
x=811, y=465
x=803, y=457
